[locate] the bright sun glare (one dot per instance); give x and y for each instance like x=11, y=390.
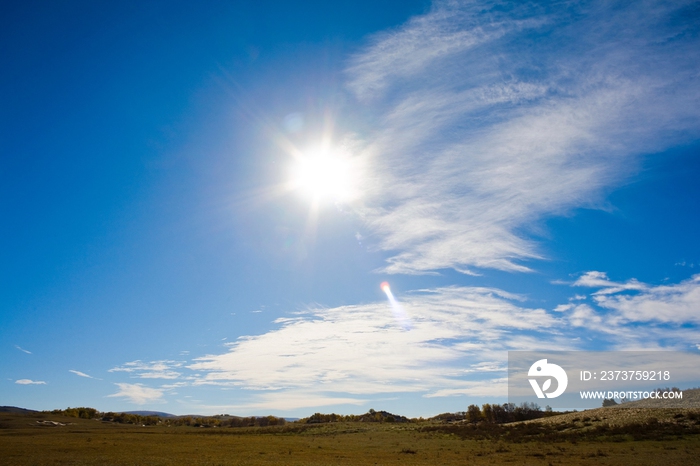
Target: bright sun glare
x=325, y=174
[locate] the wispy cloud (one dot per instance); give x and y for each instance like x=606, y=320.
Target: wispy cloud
x=425, y=43
x=164, y=369
x=22, y=349
x=137, y=393
x=585, y=316
x=282, y=401
x=456, y=346
x=677, y=303
x=493, y=387
x=352, y=352
x=82, y=374
x=490, y=116
x=637, y=315
x=594, y=279
x=30, y=382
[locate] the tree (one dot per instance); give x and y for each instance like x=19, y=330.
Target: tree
x=487, y=412
x=473, y=414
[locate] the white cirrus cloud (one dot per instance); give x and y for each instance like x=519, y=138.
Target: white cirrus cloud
x=82, y=374
x=22, y=349
x=595, y=279
x=351, y=352
x=631, y=315
x=564, y=307
x=489, y=116
x=30, y=382
x=457, y=344
x=163, y=369
x=677, y=303
x=138, y=393
x=282, y=401
x=493, y=387
x=584, y=315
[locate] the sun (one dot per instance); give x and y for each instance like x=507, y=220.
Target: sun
x=325, y=174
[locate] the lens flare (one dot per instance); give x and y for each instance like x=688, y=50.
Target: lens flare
x=396, y=309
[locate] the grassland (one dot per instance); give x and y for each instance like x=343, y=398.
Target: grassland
x=644, y=437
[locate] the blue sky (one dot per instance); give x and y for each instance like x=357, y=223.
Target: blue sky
x=200, y=202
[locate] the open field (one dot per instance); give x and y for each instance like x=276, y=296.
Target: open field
x=644, y=437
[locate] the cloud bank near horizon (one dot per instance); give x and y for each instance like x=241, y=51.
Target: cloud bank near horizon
x=457, y=346
x=362, y=349
x=491, y=116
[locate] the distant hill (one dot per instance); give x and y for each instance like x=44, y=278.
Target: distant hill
x=15, y=410
x=682, y=411
x=151, y=413
x=370, y=416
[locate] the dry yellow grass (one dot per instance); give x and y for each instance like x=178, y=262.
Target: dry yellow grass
x=622, y=416
x=23, y=441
